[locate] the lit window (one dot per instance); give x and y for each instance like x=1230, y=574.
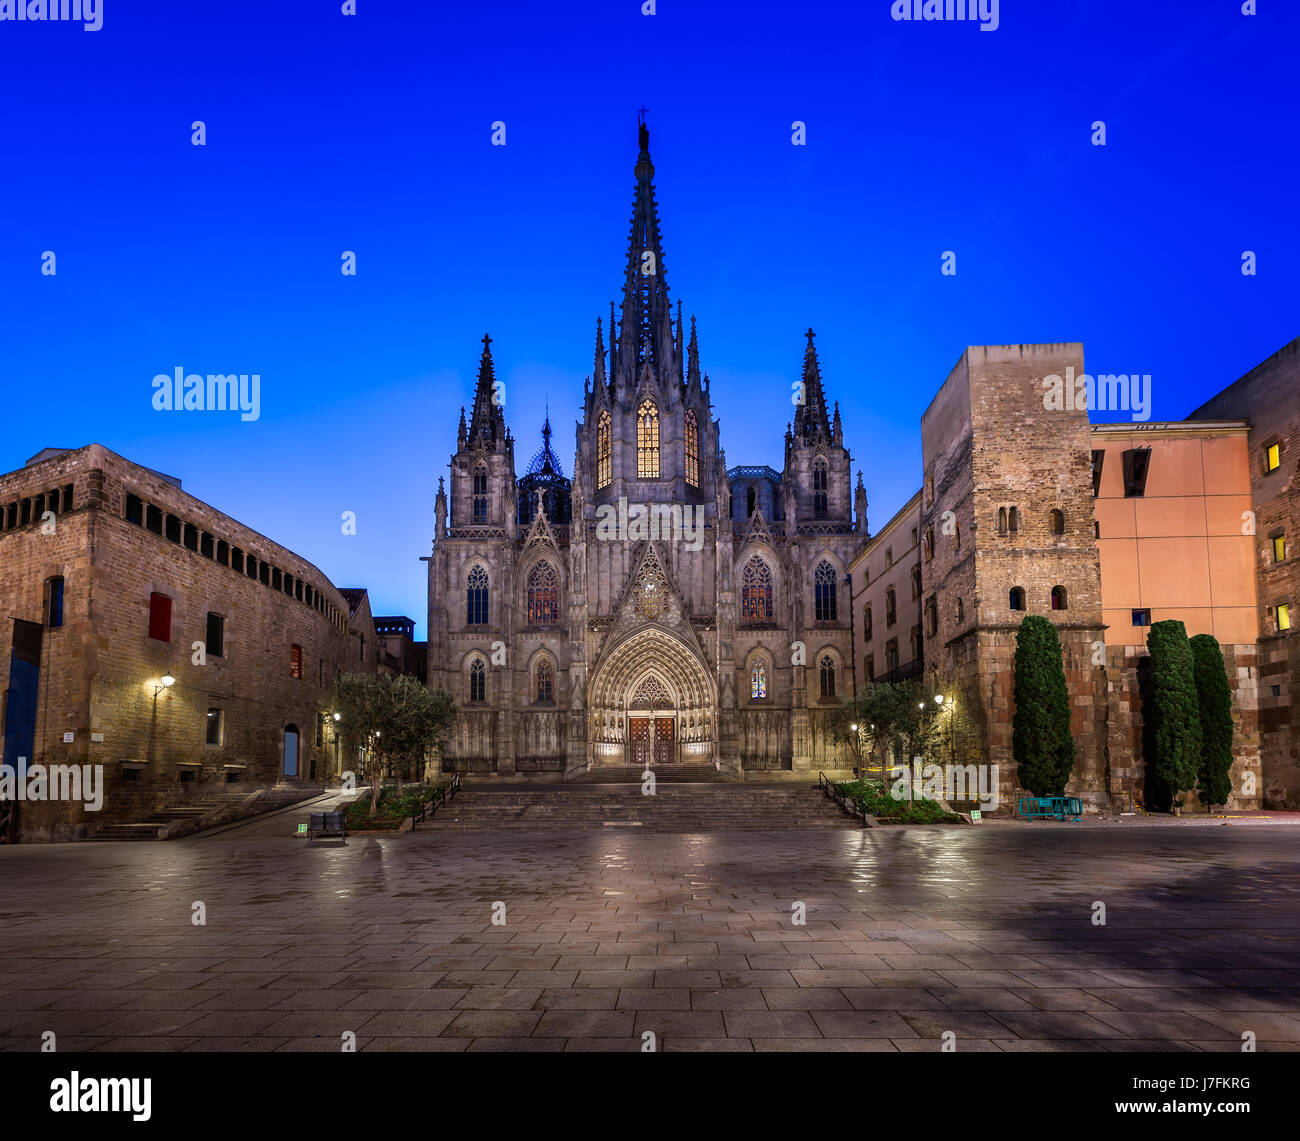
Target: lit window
x=647, y=441
x=1279, y=548
x=543, y=596
x=603, y=465
x=756, y=592
x=758, y=679
x=1273, y=457
x=692, y=450
x=1283, y=616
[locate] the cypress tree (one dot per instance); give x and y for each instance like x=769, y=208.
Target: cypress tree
x=1174, y=709
x=1040, y=727
x=1214, y=699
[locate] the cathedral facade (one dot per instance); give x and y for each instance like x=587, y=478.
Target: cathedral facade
x=653, y=606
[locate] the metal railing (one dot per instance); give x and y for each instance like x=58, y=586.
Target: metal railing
x=441, y=796
x=850, y=806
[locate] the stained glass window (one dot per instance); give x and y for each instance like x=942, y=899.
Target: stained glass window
x=756, y=592
x=647, y=441
x=543, y=596
x=603, y=463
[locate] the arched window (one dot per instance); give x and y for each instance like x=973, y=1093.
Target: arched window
x=1058, y=598
x=1013, y=517
x=929, y=543
x=828, y=675
x=477, y=680
x=756, y=591
x=961, y=612
x=603, y=463
x=751, y=501
x=1002, y=520
x=692, y=450
x=819, y=489
x=1058, y=522
x=866, y=624
x=477, y=597
x=758, y=678
x=824, y=592
x=543, y=596
x=891, y=607
x=480, y=494
x=545, y=680
x=647, y=441
x=1017, y=598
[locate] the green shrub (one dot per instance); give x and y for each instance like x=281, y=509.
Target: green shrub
x=1040, y=727
x=1214, y=699
x=1174, y=708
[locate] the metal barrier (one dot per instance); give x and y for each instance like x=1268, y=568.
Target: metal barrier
x=1051, y=807
x=440, y=797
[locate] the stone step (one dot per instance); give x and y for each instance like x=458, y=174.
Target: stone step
x=673, y=808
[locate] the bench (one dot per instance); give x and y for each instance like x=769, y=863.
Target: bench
x=327, y=824
x=1051, y=807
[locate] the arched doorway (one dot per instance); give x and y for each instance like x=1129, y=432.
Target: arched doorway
x=290, y=768
x=652, y=702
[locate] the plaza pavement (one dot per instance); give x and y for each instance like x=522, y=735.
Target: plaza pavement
x=986, y=932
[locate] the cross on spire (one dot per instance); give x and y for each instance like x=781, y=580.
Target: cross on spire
x=486, y=341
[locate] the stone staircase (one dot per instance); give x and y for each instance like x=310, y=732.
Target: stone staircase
x=676, y=807
x=207, y=812
x=670, y=774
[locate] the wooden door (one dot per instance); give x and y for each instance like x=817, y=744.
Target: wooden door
x=664, y=752
x=638, y=739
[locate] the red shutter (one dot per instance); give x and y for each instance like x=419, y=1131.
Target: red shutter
x=160, y=617
x=295, y=661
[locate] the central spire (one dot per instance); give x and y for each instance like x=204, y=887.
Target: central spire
x=645, y=333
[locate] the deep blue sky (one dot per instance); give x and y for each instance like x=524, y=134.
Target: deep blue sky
x=372, y=133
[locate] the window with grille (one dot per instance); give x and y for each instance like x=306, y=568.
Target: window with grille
x=480, y=495
x=824, y=592
x=827, y=672
x=545, y=680
x=476, y=591
x=819, y=489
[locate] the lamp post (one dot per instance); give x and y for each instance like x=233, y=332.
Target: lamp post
x=164, y=682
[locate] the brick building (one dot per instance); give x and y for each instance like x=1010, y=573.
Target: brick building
x=1106, y=528
x=111, y=578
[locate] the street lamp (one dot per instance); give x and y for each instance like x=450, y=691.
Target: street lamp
x=166, y=682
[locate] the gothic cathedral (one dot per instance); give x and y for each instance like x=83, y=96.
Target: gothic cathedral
x=653, y=608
